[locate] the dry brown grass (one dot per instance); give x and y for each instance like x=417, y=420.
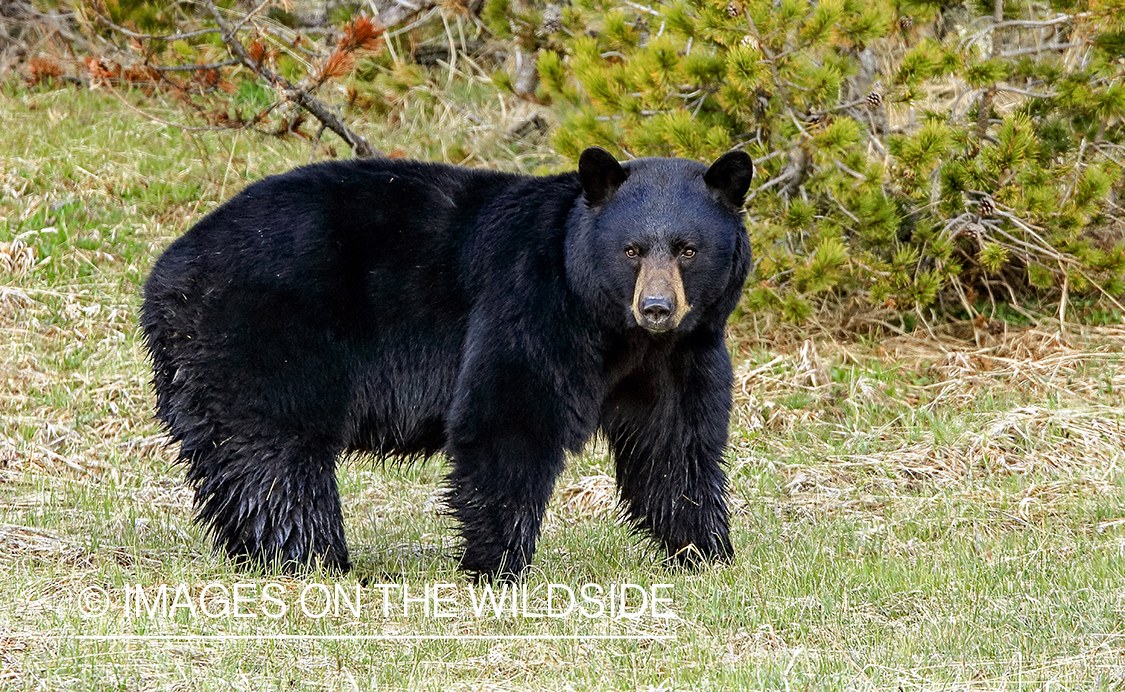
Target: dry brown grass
x=1061, y=432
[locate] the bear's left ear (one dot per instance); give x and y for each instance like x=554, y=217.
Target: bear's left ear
x=730, y=177
x=600, y=174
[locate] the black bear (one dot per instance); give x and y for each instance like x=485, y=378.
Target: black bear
x=407, y=308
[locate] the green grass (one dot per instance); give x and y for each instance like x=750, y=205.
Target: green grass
x=908, y=514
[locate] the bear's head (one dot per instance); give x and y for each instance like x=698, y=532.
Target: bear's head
x=660, y=243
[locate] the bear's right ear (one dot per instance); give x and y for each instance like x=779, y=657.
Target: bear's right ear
x=600, y=174
x=730, y=177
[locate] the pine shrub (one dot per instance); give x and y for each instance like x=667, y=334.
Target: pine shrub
x=912, y=157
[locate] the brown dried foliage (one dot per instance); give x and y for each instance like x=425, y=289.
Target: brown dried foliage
x=102, y=70
x=257, y=50
x=339, y=64
x=140, y=74
x=361, y=34
x=43, y=70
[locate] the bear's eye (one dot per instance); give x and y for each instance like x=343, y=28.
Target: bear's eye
x=688, y=252
x=630, y=251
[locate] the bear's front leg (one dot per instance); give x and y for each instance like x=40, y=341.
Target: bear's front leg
x=506, y=452
x=667, y=424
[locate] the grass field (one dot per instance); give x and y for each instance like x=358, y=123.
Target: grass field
x=909, y=514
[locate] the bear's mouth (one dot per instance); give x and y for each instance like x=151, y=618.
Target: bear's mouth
x=659, y=302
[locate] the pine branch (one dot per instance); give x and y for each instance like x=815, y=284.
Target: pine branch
x=319, y=110
x=152, y=37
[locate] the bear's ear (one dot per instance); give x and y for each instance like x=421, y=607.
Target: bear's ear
x=730, y=177
x=600, y=174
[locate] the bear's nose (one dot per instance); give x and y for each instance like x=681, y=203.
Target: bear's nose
x=656, y=308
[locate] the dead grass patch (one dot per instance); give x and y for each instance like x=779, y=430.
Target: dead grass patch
x=17, y=258
x=862, y=450
x=1064, y=454
x=588, y=496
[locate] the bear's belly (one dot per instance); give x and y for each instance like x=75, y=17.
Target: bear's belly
x=402, y=395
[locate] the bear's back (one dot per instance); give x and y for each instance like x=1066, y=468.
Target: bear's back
x=337, y=242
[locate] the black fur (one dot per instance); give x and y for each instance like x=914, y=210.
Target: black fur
x=407, y=308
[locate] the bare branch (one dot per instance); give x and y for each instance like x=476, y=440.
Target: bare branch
x=396, y=12
x=319, y=110
x=785, y=175
x=248, y=16
x=999, y=23
x=1024, y=92
x=193, y=68
x=1039, y=49
x=986, y=99
x=413, y=25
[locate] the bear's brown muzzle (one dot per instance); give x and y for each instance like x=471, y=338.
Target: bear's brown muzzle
x=659, y=303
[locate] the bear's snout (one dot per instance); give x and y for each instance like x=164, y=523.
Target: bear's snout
x=657, y=309
x=659, y=303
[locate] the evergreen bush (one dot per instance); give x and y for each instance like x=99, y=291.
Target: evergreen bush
x=923, y=158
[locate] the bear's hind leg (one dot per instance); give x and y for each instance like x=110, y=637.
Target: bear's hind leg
x=271, y=501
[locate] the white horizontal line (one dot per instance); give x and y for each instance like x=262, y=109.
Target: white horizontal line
x=366, y=637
